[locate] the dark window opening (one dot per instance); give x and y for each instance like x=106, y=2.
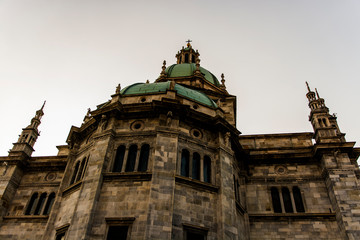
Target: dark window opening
x=49, y=203
x=81, y=169
x=60, y=236
x=298, y=200
x=40, y=204
x=185, y=155
x=144, y=157
x=186, y=58
x=130, y=165
x=117, y=233
x=276, y=200
x=119, y=158
x=194, y=236
x=196, y=166
x=75, y=172
x=31, y=205
x=207, y=169
x=287, y=200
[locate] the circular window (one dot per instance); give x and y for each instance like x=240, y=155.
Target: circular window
x=280, y=170
x=196, y=133
x=143, y=100
x=50, y=177
x=137, y=125
x=195, y=106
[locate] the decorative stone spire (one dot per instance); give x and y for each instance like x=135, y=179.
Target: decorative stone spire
x=163, y=74
x=118, y=89
x=28, y=136
x=222, y=86
x=325, y=125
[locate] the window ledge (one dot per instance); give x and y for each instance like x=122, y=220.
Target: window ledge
x=285, y=216
x=196, y=184
x=72, y=188
x=125, y=176
x=24, y=217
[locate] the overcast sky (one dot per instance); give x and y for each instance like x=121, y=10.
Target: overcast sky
x=74, y=53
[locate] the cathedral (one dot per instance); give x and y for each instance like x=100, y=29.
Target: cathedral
x=165, y=160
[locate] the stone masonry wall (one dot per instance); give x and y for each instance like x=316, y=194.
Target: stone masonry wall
x=294, y=229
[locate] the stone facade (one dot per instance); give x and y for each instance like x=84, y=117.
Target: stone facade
x=164, y=160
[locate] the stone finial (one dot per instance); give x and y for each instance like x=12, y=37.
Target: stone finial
x=307, y=85
x=147, y=81
x=188, y=43
x=118, y=88
x=223, y=81
x=317, y=94
x=198, y=64
x=88, y=112
x=162, y=74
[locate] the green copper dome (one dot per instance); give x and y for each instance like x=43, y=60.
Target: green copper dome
x=187, y=70
x=151, y=88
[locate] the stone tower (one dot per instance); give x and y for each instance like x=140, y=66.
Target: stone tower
x=165, y=160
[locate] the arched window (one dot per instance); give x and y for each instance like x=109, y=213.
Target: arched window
x=81, y=169
x=276, y=200
x=49, y=203
x=298, y=200
x=185, y=156
x=119, y=158
x=130, y=165
x=196, y=166
x=186, y=58
x=193, y=59
x=144, y=157
x=207, y=169
x=287, y=200
x=31, y=206
x=40, y=204
x=75, y=172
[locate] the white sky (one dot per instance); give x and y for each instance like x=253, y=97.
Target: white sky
x=73, y=53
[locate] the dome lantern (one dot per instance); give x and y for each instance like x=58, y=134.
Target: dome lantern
x=187, y=55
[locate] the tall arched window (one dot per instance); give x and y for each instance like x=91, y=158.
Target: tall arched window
x=276, y=200
x=186, y=58
x=119, y=158
x=40, y=204
x=144, y=157
x=31, y=206
x=287, y=200
x=49, y=203
x=193, y=59
x=207, y=169
x=196, y=166
x=81, y=169
x=185, y=156
x=75, y=172
x=298, y=200
x=130, y=164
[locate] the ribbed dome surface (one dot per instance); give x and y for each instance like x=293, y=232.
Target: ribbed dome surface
x=187, y=69
x=151, y=88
